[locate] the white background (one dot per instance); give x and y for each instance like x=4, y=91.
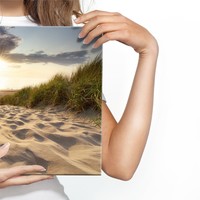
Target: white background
x=170, y=166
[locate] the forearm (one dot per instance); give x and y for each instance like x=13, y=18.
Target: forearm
x=124, y=142
x=128, y=137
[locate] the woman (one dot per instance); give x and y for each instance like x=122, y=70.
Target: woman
x=132, y=130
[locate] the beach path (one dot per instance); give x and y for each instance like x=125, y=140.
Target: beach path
x=53, y=138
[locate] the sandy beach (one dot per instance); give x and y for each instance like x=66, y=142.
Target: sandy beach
x=53, y=138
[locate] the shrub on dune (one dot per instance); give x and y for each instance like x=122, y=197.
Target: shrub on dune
x=80, y=92
x=86, y=86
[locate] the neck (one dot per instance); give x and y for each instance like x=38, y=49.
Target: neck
x=11, y=8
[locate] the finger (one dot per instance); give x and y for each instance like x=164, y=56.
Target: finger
x=102, y=29
x=86, y=17
x=96, y=21
x=4, y=149
x=24, y=180
x=116, y=35
x=19, y=170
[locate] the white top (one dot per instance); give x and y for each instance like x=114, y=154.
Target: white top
x=16, y=21
x=48, y=189
x=22, y=21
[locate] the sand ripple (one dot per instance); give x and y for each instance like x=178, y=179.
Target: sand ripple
x=52, y=138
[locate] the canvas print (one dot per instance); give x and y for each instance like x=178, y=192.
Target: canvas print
x=50, y=100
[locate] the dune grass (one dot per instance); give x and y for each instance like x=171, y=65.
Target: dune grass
x=79, y=93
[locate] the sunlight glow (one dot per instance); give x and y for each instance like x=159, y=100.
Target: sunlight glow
x=3, y=80
x=3, y=84
x=3, y=64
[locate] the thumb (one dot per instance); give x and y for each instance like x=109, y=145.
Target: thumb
x=4, y=149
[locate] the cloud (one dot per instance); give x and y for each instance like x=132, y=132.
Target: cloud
x=14, y=66
x=40, y=52
x=8, y=42
x=64, y=58
x=3, y=30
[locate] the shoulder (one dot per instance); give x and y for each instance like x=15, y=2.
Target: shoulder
x=16, y=21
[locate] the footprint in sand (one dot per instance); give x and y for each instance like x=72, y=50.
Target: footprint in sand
x=12, y=114
x=74, y=128
x=10, y=118
x=65, y=142
x=96, y=137
x=41, y=126
x=24, y=120
x=47, y=119
x=19, y=123
x=21, y=134
x=65, y=118
x=25, y=116
x=38, y=138
x=40, y=116
x=34, y=159
x=28, y=157
x=13, y=127
x=9, y=121
x=57, y=124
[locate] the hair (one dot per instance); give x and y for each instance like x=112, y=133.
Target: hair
x=52, y=12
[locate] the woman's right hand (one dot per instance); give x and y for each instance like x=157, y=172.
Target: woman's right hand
x=15, y=176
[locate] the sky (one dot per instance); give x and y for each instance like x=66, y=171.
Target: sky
x=33, y=55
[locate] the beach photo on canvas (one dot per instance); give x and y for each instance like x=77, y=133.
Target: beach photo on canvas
x=50, y=100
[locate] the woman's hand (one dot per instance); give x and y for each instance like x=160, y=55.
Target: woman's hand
x=114, y=26
x=123, y=142
x=14, y=176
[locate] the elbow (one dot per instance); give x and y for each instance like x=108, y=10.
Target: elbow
x=121, y=173
x=125, y=176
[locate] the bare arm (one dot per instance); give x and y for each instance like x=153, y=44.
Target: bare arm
x=124, y=142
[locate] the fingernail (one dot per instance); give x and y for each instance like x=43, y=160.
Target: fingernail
x=85, y=42
x=94, y=46
x=77, y=20
x=5, y=146
x=43, y=169
x=80, y=35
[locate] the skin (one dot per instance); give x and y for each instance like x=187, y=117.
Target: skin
x=131, y=132
x=11, y=8
x=14, y=176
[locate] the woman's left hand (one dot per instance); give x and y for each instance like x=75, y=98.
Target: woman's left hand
x=15, y=175
x=114, y=26
x=132, y=130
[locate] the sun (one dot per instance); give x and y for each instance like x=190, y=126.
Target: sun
x=3, y=65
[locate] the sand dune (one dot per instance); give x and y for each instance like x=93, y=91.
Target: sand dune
x=60, y=142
